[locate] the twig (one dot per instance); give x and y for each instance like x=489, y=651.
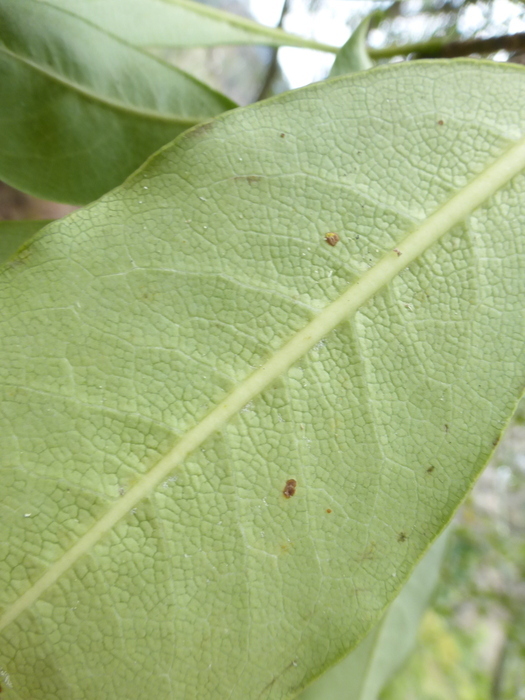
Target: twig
x=272, y=68
x=440, y=48
x=497, y=680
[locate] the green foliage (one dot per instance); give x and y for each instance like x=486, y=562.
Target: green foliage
x=178, y=23
x=365, y=671
x=354, y=56
x=83, y=109
x=472, y=643
x=13, y=234
x=242, y=393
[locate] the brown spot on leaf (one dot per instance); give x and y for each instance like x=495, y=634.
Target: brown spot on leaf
x=441, y=122
x=289, y=488
x=332, y=239
x=402, y=537
x=495, y=441
x=199, y=130
x=249, y=178
x=328, y=510
x=397, y=251
x=430, y=470
x=282, y=135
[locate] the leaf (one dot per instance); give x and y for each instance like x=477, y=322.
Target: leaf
x=364, y=673
x=13, y=234
x=175, y=355
x=179, y=23
x=353, y=56
x=81, y=109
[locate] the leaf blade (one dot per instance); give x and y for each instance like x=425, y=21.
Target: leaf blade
x=369, y=667
x=353, y=56
x=14, y=234
x=141, y=314
x=180, y=23
x=82, y=108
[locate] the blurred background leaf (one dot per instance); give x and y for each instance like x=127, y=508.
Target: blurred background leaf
x=13, y=234
x=82, y=109
x=353, y=56
x=179, y=23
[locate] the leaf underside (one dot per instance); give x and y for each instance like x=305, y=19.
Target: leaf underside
x=147, y=548
x=363, y=674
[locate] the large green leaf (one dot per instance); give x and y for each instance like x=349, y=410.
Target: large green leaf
x=173, y=355
x=14, y=234
x=365, y=672
x=180, y=23
x=81, y=109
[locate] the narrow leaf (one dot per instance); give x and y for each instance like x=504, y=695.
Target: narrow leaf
x=353, y=56
x=13, y=234
x=243, y=393
x=366, y=671
x=80, y=109
x=179, y=23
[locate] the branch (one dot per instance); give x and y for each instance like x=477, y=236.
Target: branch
x=440, y=48
x=272, y=68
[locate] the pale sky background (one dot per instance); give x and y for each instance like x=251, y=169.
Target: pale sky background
x=333, y=21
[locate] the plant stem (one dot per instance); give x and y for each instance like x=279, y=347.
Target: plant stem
x=440, y=48
x=272, y=68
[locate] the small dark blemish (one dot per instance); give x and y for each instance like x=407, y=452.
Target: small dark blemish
x=200, y=130
x=397, y=251
x=289, y=488
x=249, y=178
x=401, y=537
x=495, y=441
x=357, y=237
x=332, y=239
x=446, y=427
x=328, y=510
x=282, y=135
x=441, y=122
x=430, y=470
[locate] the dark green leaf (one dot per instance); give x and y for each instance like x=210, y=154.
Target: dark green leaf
x=14, y=234
x=80, y=109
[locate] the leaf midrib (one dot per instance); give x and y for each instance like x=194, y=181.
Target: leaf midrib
x=114, y=104
x=456, y=209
